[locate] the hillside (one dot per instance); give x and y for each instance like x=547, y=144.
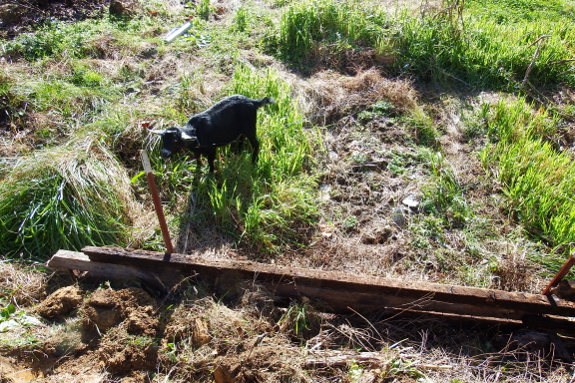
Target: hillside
x=426, y=141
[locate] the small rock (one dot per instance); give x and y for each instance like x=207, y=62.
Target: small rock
x=324, y=192
x=398, y=217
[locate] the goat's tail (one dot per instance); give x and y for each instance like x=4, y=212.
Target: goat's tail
x=265, y=101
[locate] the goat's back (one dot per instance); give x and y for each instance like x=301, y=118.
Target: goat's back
x=227, y=119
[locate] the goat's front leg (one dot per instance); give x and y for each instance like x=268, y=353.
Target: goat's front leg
x=211, y=157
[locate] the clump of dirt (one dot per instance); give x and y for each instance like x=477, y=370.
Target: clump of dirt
x=120, y=351
x=60, y=303
x=107, y=308
x=270, y=361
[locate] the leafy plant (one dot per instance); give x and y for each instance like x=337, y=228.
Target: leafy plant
x=443, y=195
x=10, y=319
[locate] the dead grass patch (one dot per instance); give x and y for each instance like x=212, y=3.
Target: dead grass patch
x=334, y=96
x=21, y=285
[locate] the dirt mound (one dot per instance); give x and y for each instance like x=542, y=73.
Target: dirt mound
x=132, y=307
x=119, y=351
x=60, y=303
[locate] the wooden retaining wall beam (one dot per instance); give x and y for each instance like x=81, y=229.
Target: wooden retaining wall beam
x=340, y=291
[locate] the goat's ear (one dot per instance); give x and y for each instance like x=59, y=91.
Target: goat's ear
x=187, y=137
x=158, y=132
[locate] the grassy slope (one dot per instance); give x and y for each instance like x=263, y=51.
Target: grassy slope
x=77, y=95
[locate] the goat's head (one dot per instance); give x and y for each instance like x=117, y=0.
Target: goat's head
x=175, y=140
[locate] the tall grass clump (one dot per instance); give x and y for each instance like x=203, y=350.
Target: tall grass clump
x=273, y=203
x=304, y=25
x=537, y=178
x=283, y=209
x=480, y=52
x=64, y=198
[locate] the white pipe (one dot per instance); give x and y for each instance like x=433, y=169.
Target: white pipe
x=178, y=32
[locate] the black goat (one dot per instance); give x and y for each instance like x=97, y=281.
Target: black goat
x=220, y=125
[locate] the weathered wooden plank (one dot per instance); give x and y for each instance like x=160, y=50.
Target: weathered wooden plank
x=73, y=260
x=342, y=290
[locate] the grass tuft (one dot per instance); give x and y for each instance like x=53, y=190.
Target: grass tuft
x=537, y=178
x=64, y=198
x=340, y=25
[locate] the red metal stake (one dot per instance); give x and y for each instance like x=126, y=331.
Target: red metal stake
x=564, y=270
x=157, y=202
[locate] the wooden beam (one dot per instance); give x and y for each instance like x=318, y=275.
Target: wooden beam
x=340, y=291
x=73, y=260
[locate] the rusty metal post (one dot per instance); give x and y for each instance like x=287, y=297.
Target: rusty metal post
x=157, y=202
x=564, y=270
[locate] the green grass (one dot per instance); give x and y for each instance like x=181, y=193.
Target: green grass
x=284, y=202
x=93, y=38
x=513, y=11
x=266, y=206
x=486, y=54
x=64, y=198
x=338, y=25
x=474, y=48
x=538, y=179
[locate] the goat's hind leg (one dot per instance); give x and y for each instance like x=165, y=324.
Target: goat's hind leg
x=255, y=148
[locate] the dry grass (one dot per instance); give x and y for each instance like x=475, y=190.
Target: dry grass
x=21, y=285
x=334, y=96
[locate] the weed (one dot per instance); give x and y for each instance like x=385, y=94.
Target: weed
x=400, y=162
x=397, y=366
x=379, y=109
x=301, y=319
x=10, y=318
x=83, y=75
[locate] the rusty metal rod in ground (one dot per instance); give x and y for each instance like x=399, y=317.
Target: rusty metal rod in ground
x=157, y=202
x=559, y=276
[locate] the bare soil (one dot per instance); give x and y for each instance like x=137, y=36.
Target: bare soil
x=19, y=16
